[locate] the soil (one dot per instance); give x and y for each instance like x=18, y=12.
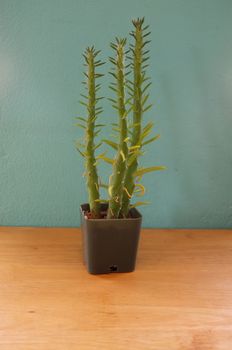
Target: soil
x=89, y=215
x=103, y=215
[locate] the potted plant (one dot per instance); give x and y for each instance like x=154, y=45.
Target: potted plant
x=111, y=227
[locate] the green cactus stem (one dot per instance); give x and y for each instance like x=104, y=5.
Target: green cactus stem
x=90, y=129
x=116, y=182
x=140, y=96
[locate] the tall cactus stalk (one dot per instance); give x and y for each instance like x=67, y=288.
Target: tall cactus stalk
x=138, y=93
x=90, y=129
x=116, y=183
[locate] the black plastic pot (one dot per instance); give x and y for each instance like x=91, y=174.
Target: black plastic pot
x=110, y=245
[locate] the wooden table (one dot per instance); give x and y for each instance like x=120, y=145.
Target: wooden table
x=179, y=297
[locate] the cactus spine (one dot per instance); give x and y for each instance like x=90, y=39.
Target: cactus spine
x=139, y=98
x=116, y=182
x=90, y=129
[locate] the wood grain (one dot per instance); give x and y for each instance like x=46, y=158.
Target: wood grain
x=179, y=297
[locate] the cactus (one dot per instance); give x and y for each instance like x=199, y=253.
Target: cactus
x=116, y=181
x=139, y=94
x=123, y=182
x=90, y=126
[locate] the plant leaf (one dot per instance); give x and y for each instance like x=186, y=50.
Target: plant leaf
x=99, y=125
x=80, y=125
x=142, y=171
x=145, y=99
x=135, y=147
x=149, y=126
x=151, y=140
x=146, y=130
x=147, y=108
x=140, y=191
x=106, y=159
x=146, y=87
x=81, y=119
x=83, y=103
x=81, y=153
x=97, y=146
x=111, y=143
x=137, y=204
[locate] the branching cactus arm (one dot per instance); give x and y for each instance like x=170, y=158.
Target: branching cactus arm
x=91, y=128
x=116, y=182
x=138, y=90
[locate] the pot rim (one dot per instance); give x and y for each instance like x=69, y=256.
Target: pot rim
x=135, y=211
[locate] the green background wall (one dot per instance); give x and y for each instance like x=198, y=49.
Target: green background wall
x=40, y=72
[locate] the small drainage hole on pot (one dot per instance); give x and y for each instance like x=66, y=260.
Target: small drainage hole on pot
x=113, y=268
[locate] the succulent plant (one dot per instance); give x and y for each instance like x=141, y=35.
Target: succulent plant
x=116, y=181
x=87, y=149
x=130, y=87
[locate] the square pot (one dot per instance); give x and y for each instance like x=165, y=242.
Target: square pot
x=110, y=245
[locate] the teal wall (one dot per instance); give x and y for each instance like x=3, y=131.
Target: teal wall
x=40, y=72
